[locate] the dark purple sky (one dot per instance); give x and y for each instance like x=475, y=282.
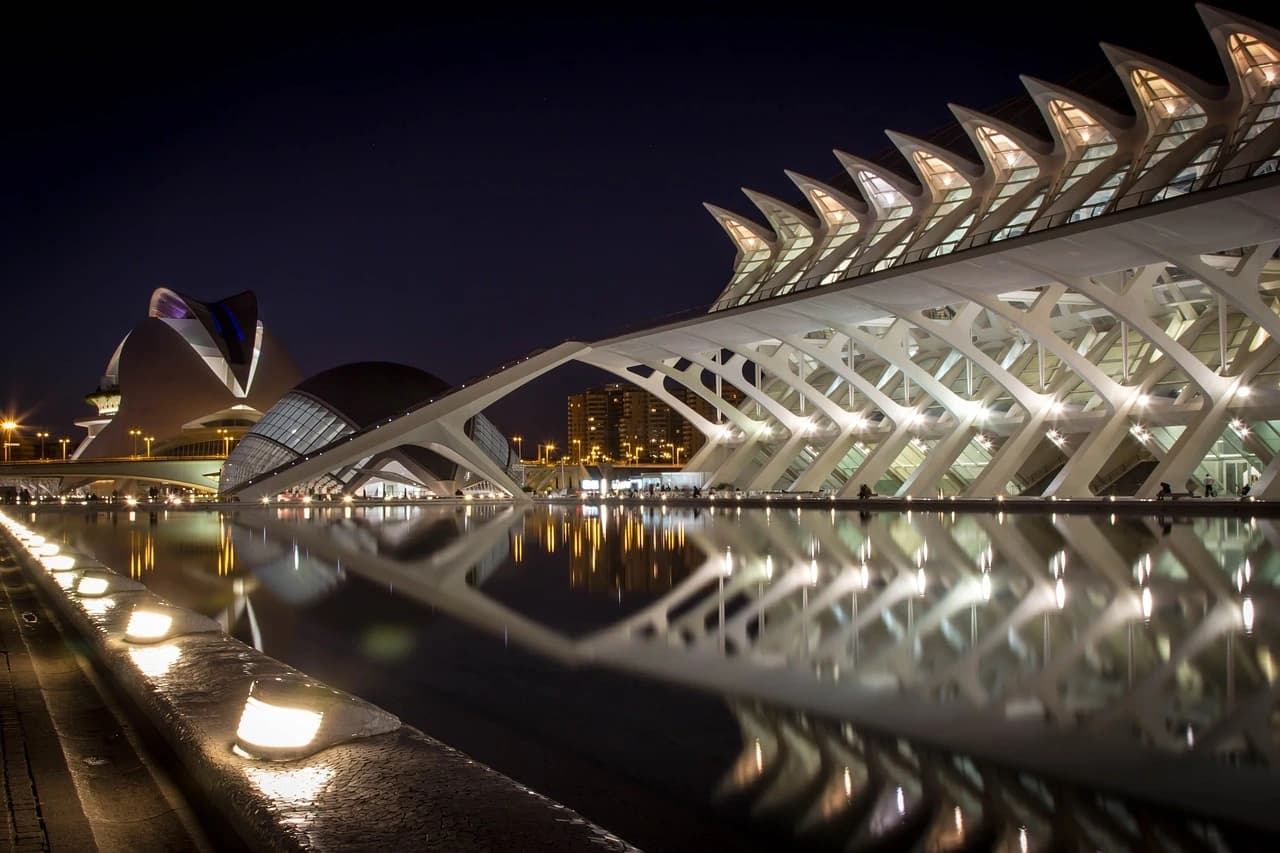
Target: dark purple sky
x=455, y=193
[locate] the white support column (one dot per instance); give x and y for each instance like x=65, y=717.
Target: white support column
x=448, y=438
x=1036, y=324
x=1240, y=285
x=873, y=468
x=898, y=415
x=768, y=476
x=1195, y=441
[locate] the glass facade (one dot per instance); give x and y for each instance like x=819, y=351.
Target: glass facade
x=1173, y=115
x=293, y=427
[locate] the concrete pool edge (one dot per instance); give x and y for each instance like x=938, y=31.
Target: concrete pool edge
x=370, y=792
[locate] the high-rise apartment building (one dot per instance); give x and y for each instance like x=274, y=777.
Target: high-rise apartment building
x=621, y=422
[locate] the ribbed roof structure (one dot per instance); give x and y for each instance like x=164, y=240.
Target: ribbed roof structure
x=1085, y=160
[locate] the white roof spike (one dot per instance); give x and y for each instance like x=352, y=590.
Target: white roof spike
x=1217, y=19
x=854, y=164
x=809, y=187
x=907, y=144
x=746, y=234
x=1126, y=61
x=1222, y=25
x=777, y=211
x=971, y=120
x=1042, y=92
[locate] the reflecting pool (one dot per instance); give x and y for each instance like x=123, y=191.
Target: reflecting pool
x=719, y=678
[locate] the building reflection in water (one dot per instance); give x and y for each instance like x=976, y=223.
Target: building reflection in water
x=929, y=679
x=1135, y=634
x=610, y=550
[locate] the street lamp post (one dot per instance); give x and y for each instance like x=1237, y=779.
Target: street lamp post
x=148, y=440
x=8, y=427
x=64, y=442
x=42, y=436
x=550, y=446
x=135, y=433
x=519, y=446
x=577, y=446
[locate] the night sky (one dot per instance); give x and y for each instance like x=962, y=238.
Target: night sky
x=454, y=193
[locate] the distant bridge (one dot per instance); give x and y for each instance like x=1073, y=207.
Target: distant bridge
x=53, y=477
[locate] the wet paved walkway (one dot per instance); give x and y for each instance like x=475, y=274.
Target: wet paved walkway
x=75, y=777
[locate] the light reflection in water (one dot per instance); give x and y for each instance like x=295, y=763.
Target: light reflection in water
x=949, y=610
x=294, y=787
x=155, y=661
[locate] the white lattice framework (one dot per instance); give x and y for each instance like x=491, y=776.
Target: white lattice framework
x=1094, y=312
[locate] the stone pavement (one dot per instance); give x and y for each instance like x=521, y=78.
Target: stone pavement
x=75, y=776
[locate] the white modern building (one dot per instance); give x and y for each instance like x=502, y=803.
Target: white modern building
x=1086, y=307
x=332, y=405
x=185, y=376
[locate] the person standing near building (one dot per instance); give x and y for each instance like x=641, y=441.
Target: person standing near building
x=1209, y=491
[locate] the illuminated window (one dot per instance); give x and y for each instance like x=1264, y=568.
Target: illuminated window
x=754, y=250
x=892, y=207
x=1258, y=65
x=1101, y=197
x=949, y=243
x=1256, y=61
x=950, y=190
x=1019, y=223
x=1185, y=180
x=1173, y=116
x=1014, y=166
x=1088, y=141
x=840, y=221
x=795, y=239
x=938, y=174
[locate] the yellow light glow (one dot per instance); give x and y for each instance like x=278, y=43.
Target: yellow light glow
x=98, y=606
x=275, y=727
x=65, y=580
x=155, y=661
x=148, y=625
x=60, y=563
x=92, y=586
x=48, y=549
x=298, y=785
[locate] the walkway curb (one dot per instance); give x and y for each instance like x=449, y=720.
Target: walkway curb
x=373, y=793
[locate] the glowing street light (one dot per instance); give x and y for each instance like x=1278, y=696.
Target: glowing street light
x=8, y=427
x=64, y=442
x=135, y=434
x=519, y=440
x=42, y=436
x=148, y=441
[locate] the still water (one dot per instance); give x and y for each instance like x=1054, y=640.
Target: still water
x=750, y=679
